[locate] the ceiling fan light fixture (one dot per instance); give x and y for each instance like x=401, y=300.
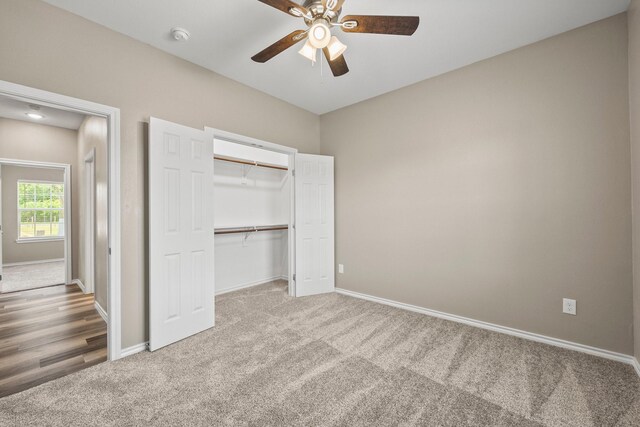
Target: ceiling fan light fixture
x=336, y=48
x=320, y=34
x=308, y=51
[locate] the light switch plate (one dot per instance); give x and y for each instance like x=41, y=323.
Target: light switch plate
x=341, y=268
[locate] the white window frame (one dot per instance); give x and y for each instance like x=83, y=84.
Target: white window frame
x=19, y=209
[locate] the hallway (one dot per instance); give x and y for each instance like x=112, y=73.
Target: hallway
x=48, y=333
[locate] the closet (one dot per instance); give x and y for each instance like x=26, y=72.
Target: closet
x=252, y=215
x=228, y=212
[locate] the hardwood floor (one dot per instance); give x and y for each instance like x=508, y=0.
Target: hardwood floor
x=48, y=333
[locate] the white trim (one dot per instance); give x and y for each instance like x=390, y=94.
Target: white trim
x=636, y=365
x=247, y=140
x=39, y=181
x=89, y=223
x=54, y=100
x=101, y=311
x=138, y=348
x=80, y=285
x=31, y=163
x=39, y=239
x=42, y=261
x=247, y=285
x=594, y=351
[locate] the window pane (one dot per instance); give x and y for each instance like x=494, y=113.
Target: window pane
x=57, y=202
x=43, y=216
x=27, y=216
x=27, y=230
x=26, y=188
x=43, y=195
x=41, y=209
x=23, y=200
x=57, y=189
x=27, y=193
x=43, y=230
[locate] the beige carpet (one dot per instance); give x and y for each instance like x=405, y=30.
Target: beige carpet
x=334, y=360
x=31, y=276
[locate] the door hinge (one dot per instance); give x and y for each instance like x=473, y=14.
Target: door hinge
x=294, y=277
x=293, y=173
x=109, y=251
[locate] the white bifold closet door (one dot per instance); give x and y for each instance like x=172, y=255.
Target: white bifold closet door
x=181, y=267
x=314, y=213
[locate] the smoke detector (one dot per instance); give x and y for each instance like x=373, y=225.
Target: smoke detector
x=180, y=34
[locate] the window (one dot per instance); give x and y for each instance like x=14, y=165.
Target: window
x=40, y=210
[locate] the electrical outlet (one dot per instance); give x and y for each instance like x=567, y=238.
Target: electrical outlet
x=569, y=306
x=341, y=268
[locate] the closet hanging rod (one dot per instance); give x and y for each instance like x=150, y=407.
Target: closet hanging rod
x=238, y=230
x=250, y=163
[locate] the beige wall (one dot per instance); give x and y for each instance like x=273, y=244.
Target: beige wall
x=31, y=141
x=92, y=135
x=494, y=191
x=634, y=104
x=490, y=192
x=50, y=49
x=13, y=252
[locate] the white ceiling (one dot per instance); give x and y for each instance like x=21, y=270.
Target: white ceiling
x=17, y=110
x=452, y=34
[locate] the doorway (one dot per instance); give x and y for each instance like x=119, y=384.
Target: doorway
x=77, y=329
x=182, y=223
x=111, y=188
x=35, y=219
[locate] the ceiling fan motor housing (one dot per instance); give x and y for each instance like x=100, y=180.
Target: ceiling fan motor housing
x=317, y=11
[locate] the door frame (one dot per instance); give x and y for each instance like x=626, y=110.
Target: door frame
x=291, y=152
x=90, y=221
x=1, y=227
x=54, y=100
x=66, y=168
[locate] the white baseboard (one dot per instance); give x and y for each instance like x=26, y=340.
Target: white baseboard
x=138, y=348
x=80, y=285
x=624, y=358
x=101, y=311
x=636, y=365
x=42, y=261
x=247, y=285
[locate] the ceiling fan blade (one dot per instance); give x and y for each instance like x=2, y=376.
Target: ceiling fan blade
x=397, y=25
x=280, y=46
x=286, y=6
x=337, y=7
x=338, y=66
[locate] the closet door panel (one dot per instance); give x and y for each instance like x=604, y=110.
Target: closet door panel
x=314, y=219
x=181, y=268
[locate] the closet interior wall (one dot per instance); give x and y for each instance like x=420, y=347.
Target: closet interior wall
x=250, y=196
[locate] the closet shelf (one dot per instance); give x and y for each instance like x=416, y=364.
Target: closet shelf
x=250, y=163
x=255, y=229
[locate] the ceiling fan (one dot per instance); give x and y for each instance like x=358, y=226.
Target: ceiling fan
x=322, y=15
